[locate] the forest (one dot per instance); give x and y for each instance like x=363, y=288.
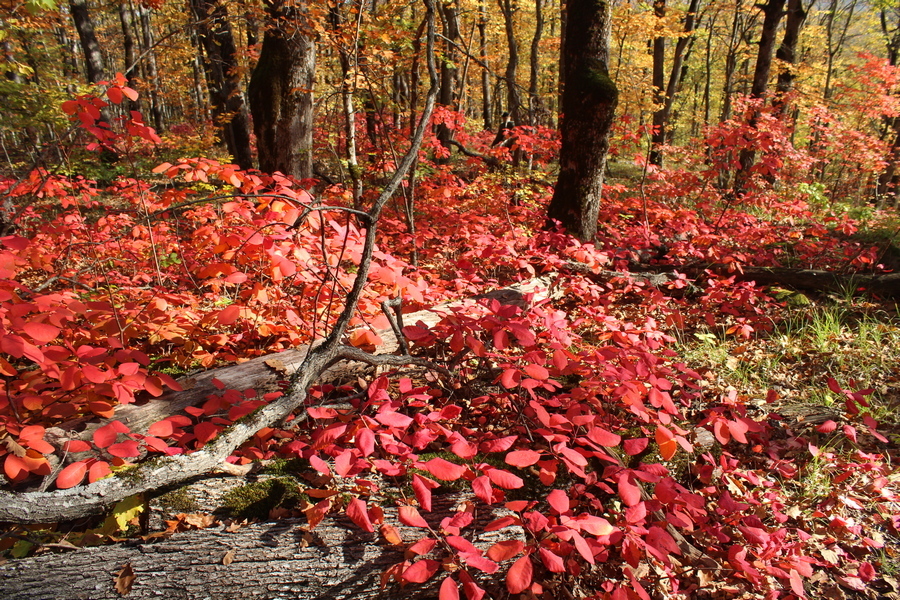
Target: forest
x=482, y=299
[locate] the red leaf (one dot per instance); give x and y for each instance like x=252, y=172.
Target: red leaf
x=94, y=375
x=42, y=333
x=422, y=487
x=552, y=561
x=162, y=429
x=505, y=479
x=595, y=525
x=510, y=378
x=449, y=589
x=229, y=314
x=99, y=470
x=421, y=571
x=537, y=372
x=635, y=446
x=206, y=431
x=76, y=446
x=105, y=435
x=481, y=563
x=519, y=576
x=559, y=501
x=666, y=441
x=126, y=449
x=522, y=458
x=71, y=475
x=114, y=94
x=499, y=445
x=410, y=516
x=356, y=510
x=604, y=437
x=365, y=441
x=505, y=550
x=393, y=419
x=628, y=491
x=423, y=546
x=444, y=469
x=483, y=490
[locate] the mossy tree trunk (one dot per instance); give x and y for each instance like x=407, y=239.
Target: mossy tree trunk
x=589, y=103
x=281, y=92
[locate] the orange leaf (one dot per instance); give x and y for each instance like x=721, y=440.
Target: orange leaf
x=71, y=475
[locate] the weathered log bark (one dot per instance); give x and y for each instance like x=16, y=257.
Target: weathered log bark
x=807, y=280
x=280, y=559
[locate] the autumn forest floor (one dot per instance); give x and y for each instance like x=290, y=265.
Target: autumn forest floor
x=773, y=413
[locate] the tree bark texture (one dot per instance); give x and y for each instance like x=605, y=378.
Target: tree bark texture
x=589, y=103
x=448, y=96
x=93, y=57
x=487, y=106
x=535, y=106
x=658, y=137
x=787, y=53
x=157, y=109
x=281, y=93
x=514, y=100
x=223, y=80
x=773, y=10
x=269, y=561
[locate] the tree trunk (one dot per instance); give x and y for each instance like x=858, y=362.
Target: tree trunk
x=349, y=67
x=223, y=78
x=787, y=54
x=513, y=99
x=448, y=97
x=773, y=10
x=535, y=106
x=281, y=93
x=156, y=107
x=658, y=137
x=93, y=57
x=487, y=106
x=274, y=559
x=589, y=103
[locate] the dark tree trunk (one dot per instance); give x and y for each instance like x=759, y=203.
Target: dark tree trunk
x=487, y=105
x=535, y=106
x=889, y=181
x=514, y=101
x=156, y=107
x=663, y=135
x=223, y=79
x=448, y=96
x=93, y=57
x=773, y=10
x=281, y=93
x=787, y=54
x=589, y=103
x=658, y=137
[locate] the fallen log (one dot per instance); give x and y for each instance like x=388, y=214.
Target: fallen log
x=283, y=559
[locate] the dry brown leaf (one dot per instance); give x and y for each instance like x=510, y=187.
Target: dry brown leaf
x=125, y=579
x=13, y=447
x=277, y=365
x=228, y=558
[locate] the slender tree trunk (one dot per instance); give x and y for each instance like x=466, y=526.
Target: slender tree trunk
x=281, y=93
x=223, y=79
x=535, y=106
x=156, y=108
x=93, y=58
x=514, y=101
x=731, y=58
x=589, y=103
x=560, y=83
x=347, y=59
x=787, y=54
x=773, y=10
x=889, y=181
x=487, y=105
x=658, y=137
x=449, y=72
